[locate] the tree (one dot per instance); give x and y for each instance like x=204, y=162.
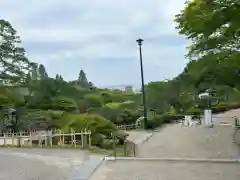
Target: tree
x=61, y=78
x=42, y=71
x=57, y=77
x=13, y=63
x=34, y=71
x=212, y=25
x=82, y=79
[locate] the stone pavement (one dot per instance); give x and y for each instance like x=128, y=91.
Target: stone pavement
x=46, y=164
x=198, y=142
x=174, y=141
x=155, y=170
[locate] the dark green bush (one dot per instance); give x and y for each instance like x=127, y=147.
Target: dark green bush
x=218, y=108
x=97, y=139
x=193, y=111
x=107, y=144
x=156, y=121
x=64, y=103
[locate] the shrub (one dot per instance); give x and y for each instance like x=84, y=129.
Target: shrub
x=94, y=100
x=155, y=121
x=222, y=107
x=107, y=144
x=97, y=139
x=195, y=112
x=121, y=135
x=64, y=103
x=95, y=123
x=128, y=116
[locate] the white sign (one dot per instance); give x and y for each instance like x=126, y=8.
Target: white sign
x=188, y=121
x=208, y=117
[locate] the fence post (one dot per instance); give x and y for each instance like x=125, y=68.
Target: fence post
x=134, y=150
x=50, y=133
x=125, y=147
x=90, y=139
x=5, y=139
x=74, y=139
x=30, y=138
x=114, y=145
x=82, y=139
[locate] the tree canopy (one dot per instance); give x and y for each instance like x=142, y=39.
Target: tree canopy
x=14, y=65
x=212, y=25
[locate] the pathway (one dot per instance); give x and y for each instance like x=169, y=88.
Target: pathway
x=175, y=141
x=46, y=164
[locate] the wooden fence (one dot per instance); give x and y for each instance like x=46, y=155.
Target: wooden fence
x=127, y=127
x=46, y=138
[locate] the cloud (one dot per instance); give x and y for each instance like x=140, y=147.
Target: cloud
x=99, y=36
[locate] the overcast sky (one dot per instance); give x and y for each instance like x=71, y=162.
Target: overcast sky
x=99, y=36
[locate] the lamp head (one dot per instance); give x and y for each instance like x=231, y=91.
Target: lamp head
x=139, y=41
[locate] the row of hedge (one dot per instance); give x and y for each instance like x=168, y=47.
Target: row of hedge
x=168, y=117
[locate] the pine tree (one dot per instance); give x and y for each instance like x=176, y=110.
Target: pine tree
x=13, y=63
x=82, y=79
x=42, y=71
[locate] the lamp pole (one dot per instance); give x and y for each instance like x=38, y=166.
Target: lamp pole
x=139, y=41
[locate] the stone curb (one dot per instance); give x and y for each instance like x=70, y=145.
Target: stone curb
x=193, y=160
x=144, y=139
x=93, y=170
x=96, y=168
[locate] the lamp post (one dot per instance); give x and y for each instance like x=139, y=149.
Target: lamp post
x=139, y=41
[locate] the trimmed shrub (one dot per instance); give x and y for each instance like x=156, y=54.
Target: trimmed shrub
x=195, y=112
x=156, y=121
x=107, y=144
x=218, y=108
x=64, y=103
x=97, y=139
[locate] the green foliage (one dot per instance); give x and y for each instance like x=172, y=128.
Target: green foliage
x=220, y=108
x=9, y=97
x=14, y=63
x=93, y=100
x=64, y=104
x=194, y=111
x=211, y=25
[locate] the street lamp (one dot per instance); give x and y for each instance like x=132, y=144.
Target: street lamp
x=139, y=41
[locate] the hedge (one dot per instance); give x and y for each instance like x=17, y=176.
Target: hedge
x=222, y=107
x=168, y=117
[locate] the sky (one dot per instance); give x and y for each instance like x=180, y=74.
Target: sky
x=99, y=36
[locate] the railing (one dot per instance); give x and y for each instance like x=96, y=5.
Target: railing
x=46, y=138
x=130, y=149
x=236, y=130
x=127, y=127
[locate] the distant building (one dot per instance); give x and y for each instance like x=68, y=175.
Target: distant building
x=128, y=88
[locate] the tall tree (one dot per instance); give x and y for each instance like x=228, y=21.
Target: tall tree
x=61, y=78
x=82, y=79
x=34, y=71
x=13, y=63
x=42, y=71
